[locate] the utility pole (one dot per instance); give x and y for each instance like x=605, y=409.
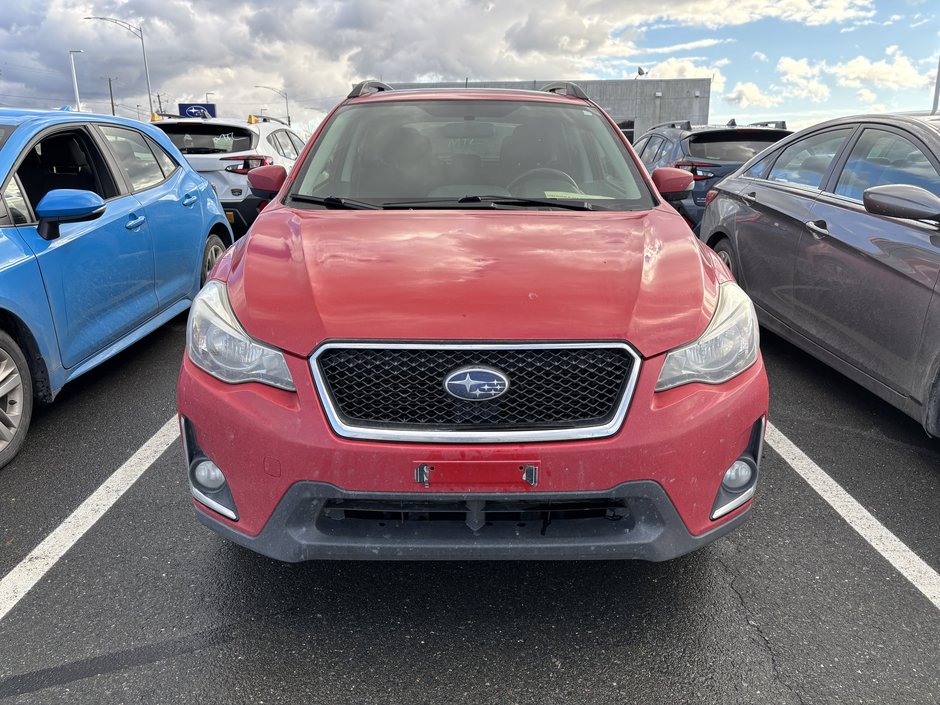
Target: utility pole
x=111, y=93
x=159, y=103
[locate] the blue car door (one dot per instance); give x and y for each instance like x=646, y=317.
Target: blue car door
x=99, y=274
x=173, y=199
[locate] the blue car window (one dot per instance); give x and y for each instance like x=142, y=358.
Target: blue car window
x=134, y=156
x=881, y=157
x=167, y=164
x=16, y=204
x=806, y=161
x=64, y=159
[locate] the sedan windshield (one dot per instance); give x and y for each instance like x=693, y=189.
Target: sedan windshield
x=472, y=154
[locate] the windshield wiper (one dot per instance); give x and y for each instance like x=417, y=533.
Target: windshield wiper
x=335, y=202
x=514, y=201
x=488, y=202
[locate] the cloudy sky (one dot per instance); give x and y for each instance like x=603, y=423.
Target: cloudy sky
x=801, y=60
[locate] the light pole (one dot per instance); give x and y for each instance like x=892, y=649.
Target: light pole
x=208, y=93
x=139, y=33
x=282, y=94
x=72, y=53
x=640, y=71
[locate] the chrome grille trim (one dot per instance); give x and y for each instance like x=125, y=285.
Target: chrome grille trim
x=345, y=430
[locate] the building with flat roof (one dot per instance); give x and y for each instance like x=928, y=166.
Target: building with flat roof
x=636, y=104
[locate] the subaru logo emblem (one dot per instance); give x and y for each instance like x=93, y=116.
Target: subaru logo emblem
x=476, y=383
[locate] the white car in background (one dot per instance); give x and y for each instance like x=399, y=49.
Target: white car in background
x=224, y=150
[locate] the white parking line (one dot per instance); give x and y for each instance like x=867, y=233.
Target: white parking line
x=19, y=581
x=30, y=570
x=904, y=560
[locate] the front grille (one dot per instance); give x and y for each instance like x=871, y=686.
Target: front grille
x=400, y=388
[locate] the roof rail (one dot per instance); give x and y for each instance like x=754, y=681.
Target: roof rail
x=368, y=87
x=255, y=119
x=567, y=88
x=778, y=124
x=678, y=124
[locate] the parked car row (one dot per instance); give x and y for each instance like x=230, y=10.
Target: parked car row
x=469, y=323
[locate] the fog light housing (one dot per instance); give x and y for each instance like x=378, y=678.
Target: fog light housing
x=208, y=474
x=737, y=477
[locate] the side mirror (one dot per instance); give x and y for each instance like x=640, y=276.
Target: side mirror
x=902, y=201
x=672, y=184
x=266, y=181
x=66, y=205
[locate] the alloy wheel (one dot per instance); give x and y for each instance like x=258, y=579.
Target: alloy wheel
x=11, y=399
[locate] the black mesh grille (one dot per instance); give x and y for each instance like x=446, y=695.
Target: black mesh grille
x=404, y=388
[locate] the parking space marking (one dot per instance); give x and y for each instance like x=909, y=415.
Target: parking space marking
x=904, y=560
x=19, y=581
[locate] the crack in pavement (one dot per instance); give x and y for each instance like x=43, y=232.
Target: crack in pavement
x=752, y=623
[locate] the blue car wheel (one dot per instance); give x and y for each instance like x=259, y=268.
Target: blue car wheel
x=16, y=398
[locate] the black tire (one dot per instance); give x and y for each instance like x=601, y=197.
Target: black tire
x=210, y=255
x=16, y=398
x=725, y=251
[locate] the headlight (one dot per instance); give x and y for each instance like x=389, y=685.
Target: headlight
x=727, y=347
x=218, y=344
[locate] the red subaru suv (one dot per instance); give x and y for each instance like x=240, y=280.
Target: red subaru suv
x=470, y=326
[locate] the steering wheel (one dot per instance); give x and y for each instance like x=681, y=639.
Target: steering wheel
x=546, y=173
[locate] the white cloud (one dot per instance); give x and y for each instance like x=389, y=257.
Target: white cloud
x=688, y=46
x=683, y=68
x=760, y=56
x=802, y=79
x=891, y=49
x=716, y=13
x=866, y=96
x=897, y=73
x=749, y=94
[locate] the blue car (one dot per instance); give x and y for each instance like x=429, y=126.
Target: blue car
x=106, y=233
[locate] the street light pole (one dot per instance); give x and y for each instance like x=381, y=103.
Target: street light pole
x=139, y=33
x=111, y=93
x=72, y=53
x=208, y=93
x=282, y=94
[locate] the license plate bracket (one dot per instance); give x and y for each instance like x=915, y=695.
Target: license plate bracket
x=505, y=473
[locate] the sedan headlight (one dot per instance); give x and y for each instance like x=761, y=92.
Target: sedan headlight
x=727, y=347
x=218, y=344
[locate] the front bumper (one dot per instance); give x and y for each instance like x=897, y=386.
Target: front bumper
x=315, y=520
x=283, y=464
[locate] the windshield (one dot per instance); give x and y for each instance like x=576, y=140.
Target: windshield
x=732, y=146
x=207, y=138
x=433, y=152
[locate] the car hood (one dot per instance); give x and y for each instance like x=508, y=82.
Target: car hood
x=302, y=277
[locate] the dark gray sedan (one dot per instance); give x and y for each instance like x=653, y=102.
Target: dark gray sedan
x=834, y=232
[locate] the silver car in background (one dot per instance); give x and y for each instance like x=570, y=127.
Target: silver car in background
x=834, y=232
x=225, y=150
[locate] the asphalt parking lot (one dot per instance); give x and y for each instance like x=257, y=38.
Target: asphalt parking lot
x=796, y=607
